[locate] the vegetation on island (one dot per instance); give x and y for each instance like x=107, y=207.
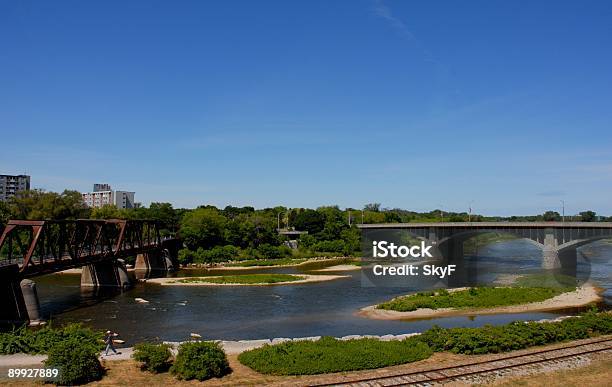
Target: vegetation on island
x=268, y=262
x=243, y=279
x=478, y=297
x=333, y=355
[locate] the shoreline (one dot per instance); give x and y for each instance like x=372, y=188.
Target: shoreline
x=222, y=267
x=346, y=267
x=584, y=295
x=309, y=279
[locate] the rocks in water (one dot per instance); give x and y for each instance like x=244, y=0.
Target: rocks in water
x=141, y=300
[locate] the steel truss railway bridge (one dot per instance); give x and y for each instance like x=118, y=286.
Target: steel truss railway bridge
x=30, y=248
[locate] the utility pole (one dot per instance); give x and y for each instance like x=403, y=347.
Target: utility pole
x=278, y=221
x=470, y=212
x=563, y=210
x=349, y=218
x=361, y=216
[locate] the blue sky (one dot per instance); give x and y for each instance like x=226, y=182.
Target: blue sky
x=414, y=104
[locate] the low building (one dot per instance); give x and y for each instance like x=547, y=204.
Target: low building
x=11, y=184
x=103, y=195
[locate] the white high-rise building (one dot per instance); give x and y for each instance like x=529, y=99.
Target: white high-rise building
x=103, y=195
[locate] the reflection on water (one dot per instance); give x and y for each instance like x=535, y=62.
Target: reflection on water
x=323, y=308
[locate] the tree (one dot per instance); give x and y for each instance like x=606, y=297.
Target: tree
x=5, y=214
x=38, y=204
x=372, y=207
x=309, y=220
x=588, y=216
x=108, y=211
x=550, y=216
x=203, y=227
x=164, y=213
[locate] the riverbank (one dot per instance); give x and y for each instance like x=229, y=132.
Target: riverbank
x=596, y=371
x=584, y=295
x=306, y=278
x=339, y=268
x=266, y=263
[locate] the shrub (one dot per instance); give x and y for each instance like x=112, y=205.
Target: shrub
x=332, y=355
x=77, y=362
x=154, y=357
x=335, y=246
x=35, y=341
x=516, y=335
x=201, y=361
x=268, y=251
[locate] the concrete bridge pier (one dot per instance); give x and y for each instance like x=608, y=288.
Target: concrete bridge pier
x=30, y=298
x=155, y=260
x=550, y=252
x=106, y=274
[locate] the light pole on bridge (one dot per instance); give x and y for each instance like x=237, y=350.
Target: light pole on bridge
x=563, y=211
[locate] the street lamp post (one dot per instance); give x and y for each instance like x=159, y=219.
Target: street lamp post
x=563, y=211
x=470, y=212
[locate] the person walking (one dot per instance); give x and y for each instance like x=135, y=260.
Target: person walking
x=109, y=340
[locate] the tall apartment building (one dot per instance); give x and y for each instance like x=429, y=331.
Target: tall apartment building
x=103, y=195
x=11, y=184
x=101, y=187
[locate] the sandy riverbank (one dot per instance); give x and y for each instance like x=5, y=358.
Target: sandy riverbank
x=308, y=278
x=340, y=268
x=582, y=296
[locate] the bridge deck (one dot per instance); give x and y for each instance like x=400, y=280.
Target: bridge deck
x=495, y=225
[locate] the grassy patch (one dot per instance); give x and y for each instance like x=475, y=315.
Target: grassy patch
x=244, y=279
x=331, y=355
x=480, y=297
x=268, y=262
x=546, y=280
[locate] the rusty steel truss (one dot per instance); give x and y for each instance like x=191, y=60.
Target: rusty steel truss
x=47, y=246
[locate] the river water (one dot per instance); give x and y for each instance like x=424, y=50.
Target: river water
x=311, y=309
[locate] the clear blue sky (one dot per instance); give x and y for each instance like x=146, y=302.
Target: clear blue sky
x=414, y=104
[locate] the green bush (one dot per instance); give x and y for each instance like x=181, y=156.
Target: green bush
x=334, y=246
x=267, y=251
x=154, y=357
x=36, y=341
x=332, y=355
x=77, y=362
x=201, y=361
x=516, y=335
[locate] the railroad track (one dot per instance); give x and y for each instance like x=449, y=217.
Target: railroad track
x=445, y=374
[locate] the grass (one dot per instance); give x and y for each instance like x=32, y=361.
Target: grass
x=250, y=279
x=546, y=280
x=480, y=297
x=332, y=355
x=268, y=262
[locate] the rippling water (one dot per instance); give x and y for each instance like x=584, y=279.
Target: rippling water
x=312, y=309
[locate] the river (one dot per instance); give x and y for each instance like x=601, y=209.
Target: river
x=255, y=312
